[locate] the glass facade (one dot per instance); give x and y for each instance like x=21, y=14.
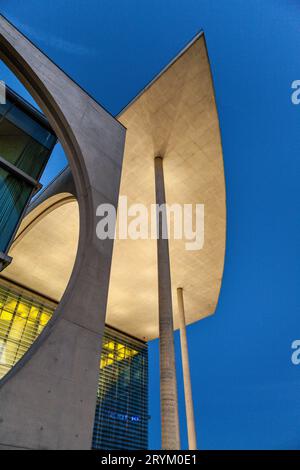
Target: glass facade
x=22, y=319
x=14, y=195
x=121, y=418
x=26, y=142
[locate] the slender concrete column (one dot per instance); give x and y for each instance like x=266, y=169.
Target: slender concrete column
x=186, y=373
x=168, y=385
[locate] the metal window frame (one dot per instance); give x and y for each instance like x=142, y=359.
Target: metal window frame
x=11, y=168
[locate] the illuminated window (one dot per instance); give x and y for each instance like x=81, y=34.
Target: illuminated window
x=121, y=420
x=22, y=319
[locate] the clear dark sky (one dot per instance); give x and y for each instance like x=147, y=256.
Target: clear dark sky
x=246, y=390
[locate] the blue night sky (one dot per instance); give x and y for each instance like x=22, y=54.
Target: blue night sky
x=246, y=390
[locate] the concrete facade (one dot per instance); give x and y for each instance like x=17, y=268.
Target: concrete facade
x=48, y=400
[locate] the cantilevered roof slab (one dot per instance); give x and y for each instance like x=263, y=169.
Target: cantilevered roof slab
x=174, y=117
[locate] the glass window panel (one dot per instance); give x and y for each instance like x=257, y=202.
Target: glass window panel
x=6, y=316
x=34, y=312
x=21, y=320
x=17, y=328
x=29, y=125
x=121, y=419
x=12, y=142
x=14, y=195
x=21, y=149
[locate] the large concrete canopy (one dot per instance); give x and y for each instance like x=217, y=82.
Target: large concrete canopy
x=175, y=117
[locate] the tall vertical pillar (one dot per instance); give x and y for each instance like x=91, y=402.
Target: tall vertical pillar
x=168, y=384
x=189, y=406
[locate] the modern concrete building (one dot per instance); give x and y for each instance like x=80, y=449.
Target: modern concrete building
x=163, y=147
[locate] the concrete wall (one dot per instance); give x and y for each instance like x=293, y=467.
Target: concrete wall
x=48, y=400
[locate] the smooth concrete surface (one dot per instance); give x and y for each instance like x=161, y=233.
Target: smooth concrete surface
x=63, y=183
x=48, y=400
x=168, y=384
x=189, y=405
x=176, y=117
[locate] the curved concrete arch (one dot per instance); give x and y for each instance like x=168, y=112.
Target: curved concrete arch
x=39, y=212
x=59, y=192
x=50, y=242
x=63, y=183
x=62, y=365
